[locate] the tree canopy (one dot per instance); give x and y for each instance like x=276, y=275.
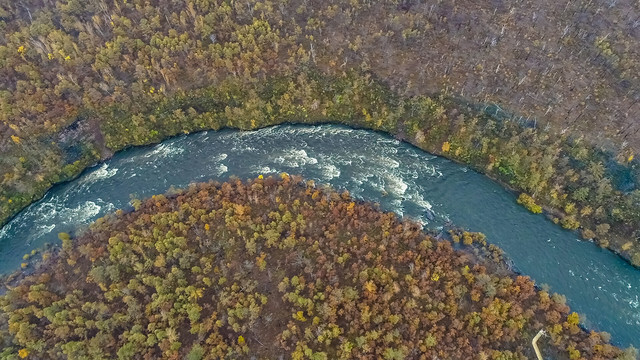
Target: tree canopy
x=278, y=267
x=528, y=92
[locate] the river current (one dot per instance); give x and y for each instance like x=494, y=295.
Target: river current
x=600, y=286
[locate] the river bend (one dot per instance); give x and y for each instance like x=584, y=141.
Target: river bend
x=373, y=167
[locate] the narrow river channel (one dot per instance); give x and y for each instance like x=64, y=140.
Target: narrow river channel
x=373, y=167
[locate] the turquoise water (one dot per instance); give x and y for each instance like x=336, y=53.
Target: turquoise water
x=372, y=167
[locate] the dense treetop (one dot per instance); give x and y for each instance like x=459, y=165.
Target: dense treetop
x=575, y=63
x=277, y=267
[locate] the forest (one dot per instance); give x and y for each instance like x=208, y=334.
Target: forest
x=540, y=96
x=279, y=267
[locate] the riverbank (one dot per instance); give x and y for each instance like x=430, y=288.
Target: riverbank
x=531, y=105
x=563, y=174
x=371, y=166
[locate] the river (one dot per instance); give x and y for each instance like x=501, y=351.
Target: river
x=373, y=167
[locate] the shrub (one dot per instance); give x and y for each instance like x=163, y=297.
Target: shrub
x=529, y=203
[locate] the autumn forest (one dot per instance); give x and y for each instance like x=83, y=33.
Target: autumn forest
x=279, y=267
x=540, y=96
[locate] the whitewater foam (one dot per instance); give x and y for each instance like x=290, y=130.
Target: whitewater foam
x=263, y=170
x=4, y=231
x=329, y=171
x=45, y=211
x=419, y=200
x=103, y=172
x=106, y=207
x=386, y=162
x=295, y=158
x=320, y=131
x=395, y=184
x=430, y=170
x=396, y=207
x=41, y=230
x=81, y=214
x=376, y=185
x=220, y=157
x=244, y=148
x=165, y=150
x=386, y=141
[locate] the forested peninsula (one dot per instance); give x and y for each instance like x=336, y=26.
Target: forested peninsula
x=278, y=267
x=538, y=95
